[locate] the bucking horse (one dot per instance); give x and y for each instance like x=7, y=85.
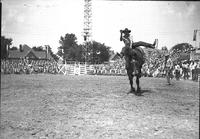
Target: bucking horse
x=134, y=59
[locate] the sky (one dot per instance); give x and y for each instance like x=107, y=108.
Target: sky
x=43, y=22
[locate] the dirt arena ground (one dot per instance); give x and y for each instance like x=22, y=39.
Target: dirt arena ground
x=90, y=107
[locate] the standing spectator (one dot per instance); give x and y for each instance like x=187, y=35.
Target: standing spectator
x=168, y=68
x=197, y=71
x=185, y=70
x=177, y=72
x=192, y=69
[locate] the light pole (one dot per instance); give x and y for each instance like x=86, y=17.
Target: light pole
x=195, y=37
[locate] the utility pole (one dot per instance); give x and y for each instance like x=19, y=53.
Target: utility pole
x=87, y=30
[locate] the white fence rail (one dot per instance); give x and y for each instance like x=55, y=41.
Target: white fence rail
x=75, y=69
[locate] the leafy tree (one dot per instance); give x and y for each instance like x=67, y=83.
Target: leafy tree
x=60, y=52
x=68, y=46
x=5, y=44
x=79, y=53
x=181, y=47
x=98, y=52
x=71, y=51
x=181, y=51
x=76, y=53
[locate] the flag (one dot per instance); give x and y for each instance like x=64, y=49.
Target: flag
x=195, y=35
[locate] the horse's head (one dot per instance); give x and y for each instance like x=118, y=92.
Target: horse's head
x=132, y=60
x=125, y=51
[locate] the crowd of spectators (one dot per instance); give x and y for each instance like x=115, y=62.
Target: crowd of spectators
x=186, y=70
x=153, y=67
x=26, y=66
x=112, y=68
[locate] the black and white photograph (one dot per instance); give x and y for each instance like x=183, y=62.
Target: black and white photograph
x=100, y=69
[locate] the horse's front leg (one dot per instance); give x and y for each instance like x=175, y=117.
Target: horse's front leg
x=130, y=76
x=138, y=84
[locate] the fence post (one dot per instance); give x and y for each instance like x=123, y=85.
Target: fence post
x=85, y=68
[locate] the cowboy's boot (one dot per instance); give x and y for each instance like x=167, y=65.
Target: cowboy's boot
x=154, y=44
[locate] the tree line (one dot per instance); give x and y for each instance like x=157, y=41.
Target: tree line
x=69, y=49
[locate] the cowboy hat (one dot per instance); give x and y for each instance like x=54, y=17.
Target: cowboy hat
x=126, y=30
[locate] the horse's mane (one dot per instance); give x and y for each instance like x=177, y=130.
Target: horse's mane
x=130, y=52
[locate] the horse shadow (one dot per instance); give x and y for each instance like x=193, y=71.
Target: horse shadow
x=142, y=92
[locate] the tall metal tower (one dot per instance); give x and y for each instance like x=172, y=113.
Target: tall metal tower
x=87, y=30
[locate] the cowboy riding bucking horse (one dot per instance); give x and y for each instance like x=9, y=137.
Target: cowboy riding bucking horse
x=134, y=57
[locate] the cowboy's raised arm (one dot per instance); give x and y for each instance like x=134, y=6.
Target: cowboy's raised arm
x=125, y=40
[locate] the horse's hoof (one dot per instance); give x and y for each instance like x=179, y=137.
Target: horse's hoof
x=138, y=90
x=138, y=94
x=131, y=91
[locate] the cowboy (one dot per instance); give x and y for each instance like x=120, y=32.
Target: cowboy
x=128, y=42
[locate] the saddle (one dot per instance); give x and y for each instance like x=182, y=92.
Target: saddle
x=134, y=54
